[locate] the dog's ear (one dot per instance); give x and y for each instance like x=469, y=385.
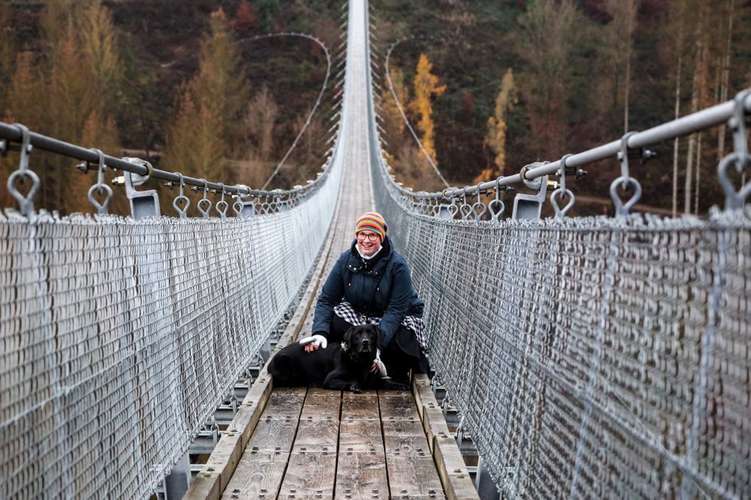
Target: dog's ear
x=347, y=339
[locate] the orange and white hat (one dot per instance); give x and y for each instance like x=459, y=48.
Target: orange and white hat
x=371, y=221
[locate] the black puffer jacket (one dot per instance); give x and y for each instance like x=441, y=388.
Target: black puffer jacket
x=381, y=286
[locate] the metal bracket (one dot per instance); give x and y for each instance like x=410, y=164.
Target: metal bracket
x=529, y=206
x=142, y=203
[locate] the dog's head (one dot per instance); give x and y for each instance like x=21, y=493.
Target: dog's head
x=360, y=343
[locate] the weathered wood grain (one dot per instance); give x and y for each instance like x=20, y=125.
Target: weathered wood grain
x=360, y=436
x=285, y=402
x=397, y=404
x=322, y=404
x=359, y=406
x=309, y=475
x=273, y=434
x=258, y=475
x=361, y=475
x=413, y=476
x=316, y=436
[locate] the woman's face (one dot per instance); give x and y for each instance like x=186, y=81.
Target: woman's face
x=368, y=242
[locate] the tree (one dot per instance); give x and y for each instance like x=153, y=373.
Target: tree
x=393, y=121
x=246, y=17
x=546, y=39
x=261, y=122
x=7, y=50
x=427, y=86
x=209, y=126
x=620, y=35
x=498, y=126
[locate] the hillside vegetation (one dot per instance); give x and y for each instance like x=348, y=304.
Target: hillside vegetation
x=489, y=85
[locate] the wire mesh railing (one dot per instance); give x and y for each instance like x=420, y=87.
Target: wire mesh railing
x=119, y=336
x=590, y=357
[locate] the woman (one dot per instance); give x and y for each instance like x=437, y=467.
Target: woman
x=371, y=283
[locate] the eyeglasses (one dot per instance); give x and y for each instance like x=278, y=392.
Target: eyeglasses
x=368, y=236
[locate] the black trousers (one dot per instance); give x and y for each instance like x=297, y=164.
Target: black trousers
x=400, y=356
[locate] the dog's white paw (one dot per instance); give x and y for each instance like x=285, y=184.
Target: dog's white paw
x=316, y=340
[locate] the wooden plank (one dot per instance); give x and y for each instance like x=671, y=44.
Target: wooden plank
x=360, y=436
x=453, y=471
x=285, y=402
x=206, y=485
x=413, y=477
x=410, y=466
x=405, y=438
x=322, y=404
x=258, y=475
x=265, y=458
x=447, y=456
x=361, y=475
x=359, y=406
x=273, y=434
x=218, y=469
x=394, y=405
x=316, y=436
x=309, y=475
x=361, y=470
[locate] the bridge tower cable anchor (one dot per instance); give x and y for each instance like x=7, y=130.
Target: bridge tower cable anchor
x=100, y=187
x=740, y=157
x=624, y=181
x=181, y=202
x=562, y=190
x=25, y=202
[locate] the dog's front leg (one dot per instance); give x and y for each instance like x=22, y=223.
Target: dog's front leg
x=338, y=380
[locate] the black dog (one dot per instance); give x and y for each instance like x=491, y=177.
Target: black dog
x=344, y=366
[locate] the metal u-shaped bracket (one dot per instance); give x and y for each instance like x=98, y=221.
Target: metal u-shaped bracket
x=529, y=206
x=142, y=203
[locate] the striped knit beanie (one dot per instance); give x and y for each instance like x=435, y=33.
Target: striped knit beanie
x=371, y=221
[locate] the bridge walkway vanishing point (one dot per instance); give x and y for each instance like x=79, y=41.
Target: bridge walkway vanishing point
x=298, y=443
x=589, y=357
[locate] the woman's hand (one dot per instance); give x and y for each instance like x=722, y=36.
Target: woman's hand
x=314, y=342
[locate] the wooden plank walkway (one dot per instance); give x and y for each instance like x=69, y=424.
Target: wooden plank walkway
x=317, y=444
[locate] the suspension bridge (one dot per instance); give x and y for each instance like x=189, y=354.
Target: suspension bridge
x=587, y=357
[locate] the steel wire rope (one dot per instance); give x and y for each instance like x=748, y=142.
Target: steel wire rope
x=404, y=115
x=319, y=98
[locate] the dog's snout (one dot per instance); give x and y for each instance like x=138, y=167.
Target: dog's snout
x=366, y=342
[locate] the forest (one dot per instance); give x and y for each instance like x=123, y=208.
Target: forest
x=487, y=85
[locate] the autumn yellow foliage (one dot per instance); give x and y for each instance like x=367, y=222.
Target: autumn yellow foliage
x=427, y=86
x=498, y=127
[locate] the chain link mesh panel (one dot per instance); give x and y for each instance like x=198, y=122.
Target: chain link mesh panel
x=592, y=357
x=118, y=338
